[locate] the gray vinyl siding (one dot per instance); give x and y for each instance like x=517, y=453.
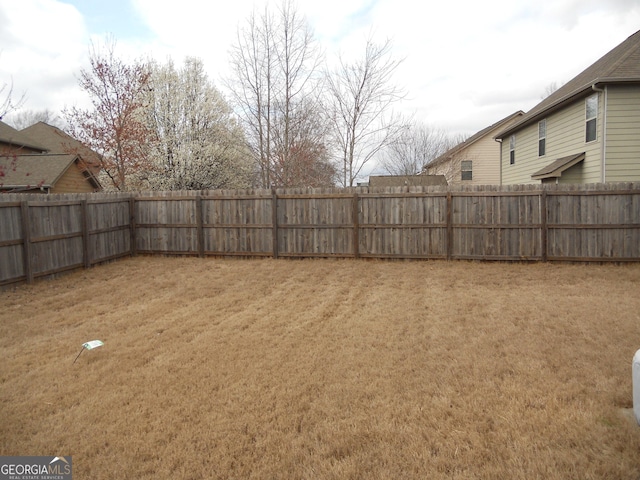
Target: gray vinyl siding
x=565, y=136
x=623, y=134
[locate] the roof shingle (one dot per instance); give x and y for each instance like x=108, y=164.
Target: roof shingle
x=11, y=136
x=41, y=170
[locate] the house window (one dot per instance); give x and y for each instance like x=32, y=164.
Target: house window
x=591, y=109
x=512, y=149
x=542, y=137
x=467, y=170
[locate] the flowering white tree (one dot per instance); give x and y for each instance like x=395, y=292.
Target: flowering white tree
x=196, y=142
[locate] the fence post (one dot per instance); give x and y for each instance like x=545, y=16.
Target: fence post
x=449, y=225
x=26, y=241
x=199, y=227
x=544, y=236
x=132, y=225
x=274, y=221
x=85, y=234
x=356, y=225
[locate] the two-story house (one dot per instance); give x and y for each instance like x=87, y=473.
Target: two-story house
x=476, y=161
x=43, y=159
x=587, y=131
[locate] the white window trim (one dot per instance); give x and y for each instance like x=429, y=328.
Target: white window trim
x=463, y=170
x=512, y=148
x=544, y=120
x=588, y=119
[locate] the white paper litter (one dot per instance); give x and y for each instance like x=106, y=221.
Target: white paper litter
x=92, y=344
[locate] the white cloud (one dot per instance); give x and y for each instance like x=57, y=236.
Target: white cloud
x=200, y=29
x=43, y=45
x=465, y=59
x=466, y=63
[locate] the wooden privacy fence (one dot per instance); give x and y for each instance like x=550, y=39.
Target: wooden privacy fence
x=50, y=235
x=43, y=235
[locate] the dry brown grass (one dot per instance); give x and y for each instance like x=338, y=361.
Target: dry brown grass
x=330, y=369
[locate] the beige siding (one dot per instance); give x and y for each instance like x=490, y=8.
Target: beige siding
x=565, y=136
x=435, y=169
x=485, y=155
x=623, y=134
x=72, y=181
x=448, y=169
x=526, y=156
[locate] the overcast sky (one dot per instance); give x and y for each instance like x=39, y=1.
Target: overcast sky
x=467, y=63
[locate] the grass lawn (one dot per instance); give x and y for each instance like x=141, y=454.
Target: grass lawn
x=330, y=369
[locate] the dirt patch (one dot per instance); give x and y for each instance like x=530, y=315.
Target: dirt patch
x=324, y=369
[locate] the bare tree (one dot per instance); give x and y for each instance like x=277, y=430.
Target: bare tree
x=7, y=102
x=304, y=160
x=197, y=141
x=114, y=127
x=252, y=61
x=276, y=72
x=415, y=147
x=8, y=155
x=549, y=89
x=25, y=118
x=449, y=161
x=363, y=95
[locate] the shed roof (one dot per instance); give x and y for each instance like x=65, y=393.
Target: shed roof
x=555, y=169
x=620, y=65
x=32, y=171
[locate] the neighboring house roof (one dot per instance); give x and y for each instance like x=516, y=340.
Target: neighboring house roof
x=58, y=141
x=15, y=138
x=620, y=65
x=23, y=172
x=406, y=180
x=472, y=139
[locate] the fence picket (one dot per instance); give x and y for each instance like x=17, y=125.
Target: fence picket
x=45, y=234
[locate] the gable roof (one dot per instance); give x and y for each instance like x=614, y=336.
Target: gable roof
x=41, y=170
x=11, y=136
x=58, y=141
x=473, y=139
x=620, y=65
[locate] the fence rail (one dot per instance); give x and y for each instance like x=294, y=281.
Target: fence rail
x=44, y=235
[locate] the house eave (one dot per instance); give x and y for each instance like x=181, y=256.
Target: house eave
x=88, y=174
x=22, y=188
x=452, y=152
x=554, y=107
x=576, y=94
